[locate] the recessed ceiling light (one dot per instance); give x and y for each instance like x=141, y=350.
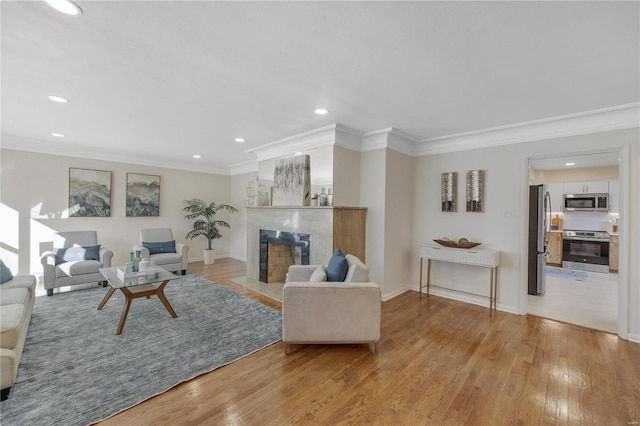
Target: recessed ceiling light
x=298, y=153
x=569, y=164
x=321, y=111
x=239, y=140
x=58, y=99
x=57, y=135
x=65, y=6
x=196, y=156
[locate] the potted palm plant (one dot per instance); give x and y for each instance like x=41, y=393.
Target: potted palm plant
x=205, y=223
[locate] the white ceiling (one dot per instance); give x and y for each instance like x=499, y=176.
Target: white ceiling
x=164, y=80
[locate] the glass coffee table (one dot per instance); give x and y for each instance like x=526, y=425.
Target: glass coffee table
x=133, y=286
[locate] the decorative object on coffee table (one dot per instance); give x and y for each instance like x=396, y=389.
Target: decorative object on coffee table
x=205, y=223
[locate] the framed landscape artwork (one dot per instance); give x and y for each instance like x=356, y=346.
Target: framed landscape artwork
x=143, y=195
x=89, y=193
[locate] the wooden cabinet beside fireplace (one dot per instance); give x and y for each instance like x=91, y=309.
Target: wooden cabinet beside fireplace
x=350, y=230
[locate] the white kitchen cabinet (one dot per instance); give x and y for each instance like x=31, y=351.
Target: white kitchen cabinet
x=556, y=193
x=587, y=187
x=614, y=196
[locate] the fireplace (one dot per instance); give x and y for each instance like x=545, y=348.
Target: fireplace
x=279, y=250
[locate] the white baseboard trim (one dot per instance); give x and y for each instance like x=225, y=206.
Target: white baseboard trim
x=220, y=255
x=398, y=292
x=635, y=338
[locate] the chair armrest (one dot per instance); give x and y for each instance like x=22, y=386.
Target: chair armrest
x=9, y=366
x=300, y=273
x=144, y=252
x=183, y=250
x=48, y=261
x=105, y=257
x=48, y=258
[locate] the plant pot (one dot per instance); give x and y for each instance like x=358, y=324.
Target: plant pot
x=207, y=254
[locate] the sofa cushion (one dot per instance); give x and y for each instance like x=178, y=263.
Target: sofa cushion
x=319, y=275
x=74, y=254
x=5, y=273
x=13, y=296
x=11, y=319
x=357, y=272
x=161, y=247
x=70, y=269
x=166, y=259
x=337, y=267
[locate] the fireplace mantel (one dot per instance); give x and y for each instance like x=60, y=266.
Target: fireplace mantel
x=329, y=227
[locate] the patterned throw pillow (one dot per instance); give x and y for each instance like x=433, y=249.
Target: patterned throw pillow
x=162, y=247
x=337, y=267
x=75, y=254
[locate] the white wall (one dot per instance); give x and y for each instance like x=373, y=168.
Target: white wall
x=238, y=243
x=346, y=177
x=34, y=197
x=399, y=201
x=372, y=196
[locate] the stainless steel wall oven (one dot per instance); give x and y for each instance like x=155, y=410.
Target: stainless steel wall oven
x=585, y=250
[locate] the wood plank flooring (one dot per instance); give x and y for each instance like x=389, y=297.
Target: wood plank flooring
x=441, y=362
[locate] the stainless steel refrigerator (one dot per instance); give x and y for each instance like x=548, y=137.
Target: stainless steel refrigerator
x=539, y=226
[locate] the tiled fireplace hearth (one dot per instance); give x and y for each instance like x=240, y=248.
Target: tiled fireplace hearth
x=325, y=227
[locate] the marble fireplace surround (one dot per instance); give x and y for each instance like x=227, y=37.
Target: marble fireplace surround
x=318, y=222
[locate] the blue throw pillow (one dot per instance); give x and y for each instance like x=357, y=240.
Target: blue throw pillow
x=337, y=267
x=75, y=254
x=5, y=273
x=163, y=247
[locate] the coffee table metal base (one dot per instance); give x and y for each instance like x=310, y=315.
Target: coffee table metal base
x=137, y=292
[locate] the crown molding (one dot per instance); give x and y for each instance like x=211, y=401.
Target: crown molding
x=317, y=138
x=595, y=121
x=17, y=143
x=389, y=138
x=245, y=167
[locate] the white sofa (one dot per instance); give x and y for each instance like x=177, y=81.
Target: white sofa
x=317, y=312
x=17, y=298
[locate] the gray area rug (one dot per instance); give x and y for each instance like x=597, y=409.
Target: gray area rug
x=75, y=370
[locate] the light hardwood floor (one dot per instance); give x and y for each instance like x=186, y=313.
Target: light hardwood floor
x=592, y=302
x=440, y=362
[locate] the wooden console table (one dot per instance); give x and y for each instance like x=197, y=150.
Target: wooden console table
x=477, y=257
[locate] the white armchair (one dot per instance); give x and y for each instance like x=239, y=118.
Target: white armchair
x=331, y=312
x=76, y=259
x=158, y=246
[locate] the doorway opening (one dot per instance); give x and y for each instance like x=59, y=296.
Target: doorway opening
x=574, y=290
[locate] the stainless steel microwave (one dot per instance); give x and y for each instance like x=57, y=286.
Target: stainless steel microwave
x=586, y=203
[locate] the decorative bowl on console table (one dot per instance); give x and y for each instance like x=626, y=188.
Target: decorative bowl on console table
x=461, y=243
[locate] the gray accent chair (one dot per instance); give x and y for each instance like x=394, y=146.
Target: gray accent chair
x=331, y=312
x=172, y=262
x=74, y=272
